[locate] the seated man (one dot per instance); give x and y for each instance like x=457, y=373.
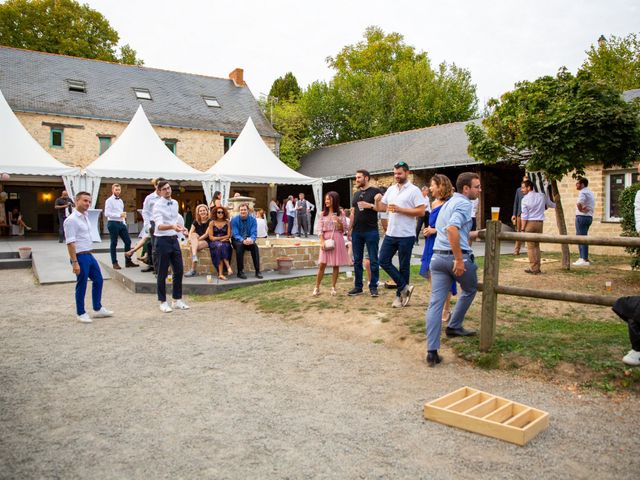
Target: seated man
x=244, y=230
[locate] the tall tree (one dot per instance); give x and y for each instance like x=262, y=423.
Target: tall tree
x=559, y=125
x=615, y=61
x=291, y=122
x=285, y=88
x=61, y=26
x=382, y=85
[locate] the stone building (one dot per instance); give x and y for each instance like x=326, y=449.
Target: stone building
x=76, y=108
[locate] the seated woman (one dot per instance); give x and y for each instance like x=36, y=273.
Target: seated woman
x=219, y=241
x=262, y=223
x=15, y=218
x=198, y=235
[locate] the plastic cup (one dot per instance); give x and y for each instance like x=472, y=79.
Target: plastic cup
x=495, y=213
x=607, y=285
x=209, y=278
x=349, y=274
x=170, y=279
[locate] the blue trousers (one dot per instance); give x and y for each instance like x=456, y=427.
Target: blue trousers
x=167, y=251
x=583, y=222
x=441, y=278
x=371, y=239
x=290, y=221
x=118, y=229
x=403, y=246
x=89, y=268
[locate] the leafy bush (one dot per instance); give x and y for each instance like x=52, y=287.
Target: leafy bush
x=627, y=198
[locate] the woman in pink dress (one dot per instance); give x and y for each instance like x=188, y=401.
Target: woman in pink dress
x=333, y=224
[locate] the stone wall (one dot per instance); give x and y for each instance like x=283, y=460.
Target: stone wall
x=199, y=148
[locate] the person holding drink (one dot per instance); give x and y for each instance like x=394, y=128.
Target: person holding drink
x=117, y=226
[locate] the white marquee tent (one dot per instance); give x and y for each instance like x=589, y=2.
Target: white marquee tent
x=21, y=153
x=138, y=154
x=249, y=160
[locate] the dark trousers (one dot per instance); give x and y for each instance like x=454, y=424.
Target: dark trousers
x=240, y=248
x=403, y=246
x=118, y=229
x=421, y=222
x=628, y=308
x=583, y=222
x=274, y=220
x=359, y=240
x=167, y=251
x=61, y=229
x=89, y=269
x=290, y=221
x=151, y=247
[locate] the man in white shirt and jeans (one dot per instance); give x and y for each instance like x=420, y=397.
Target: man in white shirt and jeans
x=404, y=202
x=117, y=226
x=77, y=232
x=584, y=217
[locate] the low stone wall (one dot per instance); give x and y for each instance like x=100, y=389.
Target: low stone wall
x=304, y=254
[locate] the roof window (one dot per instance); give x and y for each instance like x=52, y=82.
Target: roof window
x=77, y=86
x=142, y=93
x=211, y=101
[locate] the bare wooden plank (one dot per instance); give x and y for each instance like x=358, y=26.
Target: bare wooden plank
x=604, y=300
x=490, y=281
x=572, y=239
x=452, y=397
x=465, y=403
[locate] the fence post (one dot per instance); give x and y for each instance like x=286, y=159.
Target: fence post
x=490, y=281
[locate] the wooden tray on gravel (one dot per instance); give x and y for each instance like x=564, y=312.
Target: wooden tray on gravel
x=487, y=414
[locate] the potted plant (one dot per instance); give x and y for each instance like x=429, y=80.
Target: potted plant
x=284, y=265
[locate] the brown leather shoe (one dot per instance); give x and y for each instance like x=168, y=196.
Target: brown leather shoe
x=532, y=272
x=116, y=266
x=130, y=264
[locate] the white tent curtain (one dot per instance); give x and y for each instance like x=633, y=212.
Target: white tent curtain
x=212, y=186
x=82, y=183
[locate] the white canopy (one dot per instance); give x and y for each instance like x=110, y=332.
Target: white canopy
x=249, y=160
x=21, y=154
x=140, y=154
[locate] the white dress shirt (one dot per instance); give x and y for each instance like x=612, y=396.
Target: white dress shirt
x=147, y=208
x=636, y=209
x=586, y=199
x=273, y=206
x=533, y=204
x=404, y=196
x=262, y=227
x=113, y=208
x=77, y=229
x=166, y=212
x=290, y=208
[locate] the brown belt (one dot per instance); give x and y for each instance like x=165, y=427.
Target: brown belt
x=88, y=252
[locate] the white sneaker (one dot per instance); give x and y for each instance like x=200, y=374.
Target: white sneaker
x=165, y=308
x=102, y=313
x=632, y=358
x=179, y=305
x=406, y=295
x=581, y=263
x=397, y=302
x=85, y=318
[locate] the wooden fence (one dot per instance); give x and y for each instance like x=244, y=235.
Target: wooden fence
x=491, y=288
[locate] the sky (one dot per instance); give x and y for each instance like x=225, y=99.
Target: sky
x=500, y=42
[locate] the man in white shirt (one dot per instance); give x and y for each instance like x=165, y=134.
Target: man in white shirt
x=290, y=212
x=532, y=218
x=584, y=217
x=404, y=202
x=117, y=226
x=149, y=225
x=168, y=224
x=273, y=214
x=77, y=232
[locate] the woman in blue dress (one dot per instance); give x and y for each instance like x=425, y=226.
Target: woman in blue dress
x=219, y=241
x=441, y=189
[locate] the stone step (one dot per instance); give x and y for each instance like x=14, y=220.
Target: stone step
x=14, y=262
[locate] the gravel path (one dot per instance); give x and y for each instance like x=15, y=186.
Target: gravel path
x=220, y=391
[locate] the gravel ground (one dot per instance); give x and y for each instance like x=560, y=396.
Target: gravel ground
x=220, y=391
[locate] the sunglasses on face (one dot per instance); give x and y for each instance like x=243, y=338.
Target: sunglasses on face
x=219, y=212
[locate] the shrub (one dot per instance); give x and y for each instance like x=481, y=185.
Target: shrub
x=627, y=198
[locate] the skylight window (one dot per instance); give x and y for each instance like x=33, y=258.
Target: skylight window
x=77, y=86
x=142, y=93
x=211, y=101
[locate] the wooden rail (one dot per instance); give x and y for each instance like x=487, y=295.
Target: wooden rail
x=491, y=288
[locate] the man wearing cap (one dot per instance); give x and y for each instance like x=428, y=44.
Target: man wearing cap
x=404, y=202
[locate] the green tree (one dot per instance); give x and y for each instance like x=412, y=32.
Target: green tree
x=627, y=211
x=382, y=85
x=558, y=125
x=61, y=26
x=285, y=88
x=615, y=61
x=291, y=122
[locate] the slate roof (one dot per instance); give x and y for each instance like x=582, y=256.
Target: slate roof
x=37, y=82
x=425, y=148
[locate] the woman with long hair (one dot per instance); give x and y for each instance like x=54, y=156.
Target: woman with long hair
x=216, y=201
x=441, y=190
x=198, y=235
x=333, y=251
x=219, y=241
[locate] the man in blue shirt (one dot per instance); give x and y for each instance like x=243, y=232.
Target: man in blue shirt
x=244, y=230
x=452, y=260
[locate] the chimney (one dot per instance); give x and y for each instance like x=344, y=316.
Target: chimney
x=237, y=77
